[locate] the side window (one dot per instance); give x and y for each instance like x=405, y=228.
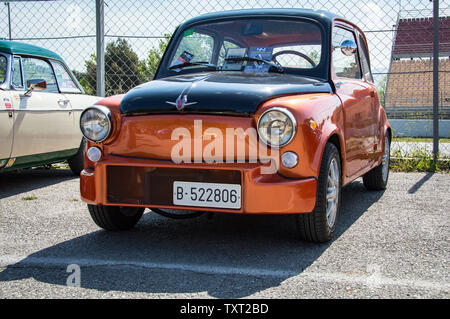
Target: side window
x=3, y=63
x=365, y=60
x=346, y=66
x=65, y=81
x=17, y=73
x=34, y=69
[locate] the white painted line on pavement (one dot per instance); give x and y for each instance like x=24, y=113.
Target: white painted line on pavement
x=372, y=281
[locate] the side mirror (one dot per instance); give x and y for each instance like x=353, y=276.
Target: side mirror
x=348, y=47
x=35, y=85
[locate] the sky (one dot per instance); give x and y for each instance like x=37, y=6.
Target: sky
x=68, y=27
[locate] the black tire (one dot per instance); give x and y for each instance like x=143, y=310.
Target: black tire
x=316, y=226
x=115, y=217
x=76, y=162
x=375, y=179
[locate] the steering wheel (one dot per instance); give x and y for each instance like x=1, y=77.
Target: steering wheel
x=302, y=55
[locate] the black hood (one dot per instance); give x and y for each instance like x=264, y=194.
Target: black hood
x=216, y=92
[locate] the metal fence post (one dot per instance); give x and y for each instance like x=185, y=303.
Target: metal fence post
x=9, y=20
x=100, y=35
x=435, y=79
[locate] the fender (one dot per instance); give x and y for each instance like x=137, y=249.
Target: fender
x=384, y=123
x=112, y=102
x=383, y=128
x=325, y=109
x=335, y=135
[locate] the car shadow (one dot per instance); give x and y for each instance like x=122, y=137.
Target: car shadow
x=14, y=182
x=223, y=243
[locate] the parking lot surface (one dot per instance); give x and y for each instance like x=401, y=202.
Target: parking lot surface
x=391, y=244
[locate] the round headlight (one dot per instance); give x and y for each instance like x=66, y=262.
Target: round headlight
x=276, y=127
x=95, y=123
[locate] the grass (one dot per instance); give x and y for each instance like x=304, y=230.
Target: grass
x=419, y=139
x=29, y=197
x=63, y=165
x=419, y=160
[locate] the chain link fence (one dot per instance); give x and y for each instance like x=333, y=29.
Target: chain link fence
x=399, y=33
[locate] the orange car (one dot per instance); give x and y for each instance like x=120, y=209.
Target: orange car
x=262, y=111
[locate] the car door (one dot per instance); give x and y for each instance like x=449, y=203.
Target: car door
x=43, y=120
x=356, y=98
x=375, y=132
x=70, y=88
x=6, y=116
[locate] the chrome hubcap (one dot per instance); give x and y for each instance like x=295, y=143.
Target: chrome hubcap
x=332, y=192
x=385, y=161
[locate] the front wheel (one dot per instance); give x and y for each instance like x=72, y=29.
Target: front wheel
x=76, y=163
x=115, y=217
x=320, y=225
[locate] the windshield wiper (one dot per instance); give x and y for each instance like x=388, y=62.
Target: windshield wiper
x=183, y=65
x=277, y=67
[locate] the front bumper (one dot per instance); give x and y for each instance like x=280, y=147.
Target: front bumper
x=122, y=181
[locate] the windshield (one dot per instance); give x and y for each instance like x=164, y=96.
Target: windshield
x=243, y=44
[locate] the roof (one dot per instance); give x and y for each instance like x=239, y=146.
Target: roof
x=414, y=37
x=13, y=47
x=322, y=16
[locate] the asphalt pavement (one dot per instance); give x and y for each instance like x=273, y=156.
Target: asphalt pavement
x=391, y=244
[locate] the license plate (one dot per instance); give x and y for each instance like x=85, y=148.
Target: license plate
x=207, y=195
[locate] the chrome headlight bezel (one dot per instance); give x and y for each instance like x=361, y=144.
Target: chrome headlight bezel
x=108, y=115
x=289, y=115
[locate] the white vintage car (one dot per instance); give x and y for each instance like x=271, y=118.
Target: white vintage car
x=40, y=106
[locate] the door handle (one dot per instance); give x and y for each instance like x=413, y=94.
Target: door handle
x=10, y=114
x=63, y=101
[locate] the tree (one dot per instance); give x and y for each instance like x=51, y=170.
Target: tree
x=88, y=79
x=154, y=57
x=123, y=69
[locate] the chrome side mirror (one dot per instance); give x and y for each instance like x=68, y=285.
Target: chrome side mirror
x=35, y=85
x=348, y=47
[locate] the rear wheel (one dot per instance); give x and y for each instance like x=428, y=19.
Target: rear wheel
x=377, y=178
x=320, y=225
x=115, y=217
